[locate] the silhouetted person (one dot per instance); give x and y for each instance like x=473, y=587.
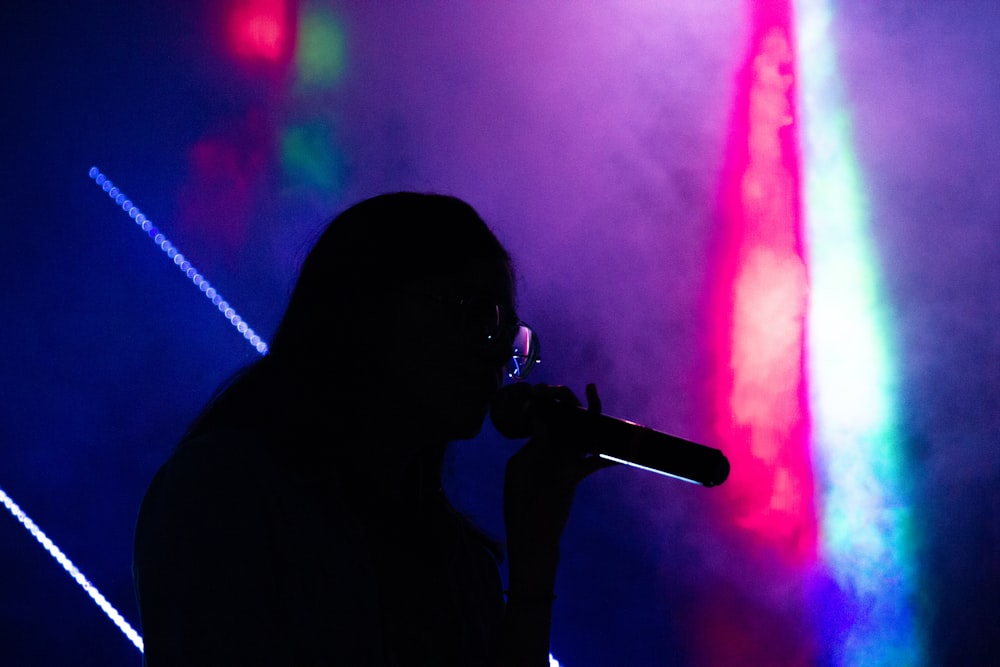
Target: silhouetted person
x=301, y=521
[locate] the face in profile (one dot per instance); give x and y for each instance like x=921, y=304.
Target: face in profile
x=454, y=346
x=404, y=307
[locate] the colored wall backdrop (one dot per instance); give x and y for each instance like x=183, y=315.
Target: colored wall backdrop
x=771, y=226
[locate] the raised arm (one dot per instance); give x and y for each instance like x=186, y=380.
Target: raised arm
x=540, y=483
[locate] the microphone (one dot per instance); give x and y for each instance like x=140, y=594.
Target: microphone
x=514, y=409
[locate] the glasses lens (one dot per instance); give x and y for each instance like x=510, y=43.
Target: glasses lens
x=524, y=352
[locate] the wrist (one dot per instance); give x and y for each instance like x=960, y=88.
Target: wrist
x=529, y=597
x=532, y=576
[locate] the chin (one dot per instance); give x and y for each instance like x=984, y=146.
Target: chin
x=468, y=429
x=461, y=414
x=467, y=423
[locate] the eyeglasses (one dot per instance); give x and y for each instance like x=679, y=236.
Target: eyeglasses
x=524, y=352
x=498, y=330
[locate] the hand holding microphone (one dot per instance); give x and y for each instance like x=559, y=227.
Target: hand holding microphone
x=539, y=486
x=517, y=410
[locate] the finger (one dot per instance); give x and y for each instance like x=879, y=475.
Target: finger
x=593, y=400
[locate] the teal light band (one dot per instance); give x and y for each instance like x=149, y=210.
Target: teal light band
x=866, y=535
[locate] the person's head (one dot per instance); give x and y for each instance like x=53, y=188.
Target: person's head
x=397, y=305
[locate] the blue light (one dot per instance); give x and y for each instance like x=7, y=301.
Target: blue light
x=72, y=570
x=178, y=259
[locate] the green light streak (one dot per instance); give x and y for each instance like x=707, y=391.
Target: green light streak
x=866, y=524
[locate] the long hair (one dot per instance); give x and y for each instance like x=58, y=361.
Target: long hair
x=330, y=324
x=369, y=249
x=364, y=252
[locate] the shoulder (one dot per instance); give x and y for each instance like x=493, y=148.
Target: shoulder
x=220, y=467
x=210, y=490
x=226, y=456
x=239, y=484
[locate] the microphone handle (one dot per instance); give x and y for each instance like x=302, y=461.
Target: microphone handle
x=639, y=446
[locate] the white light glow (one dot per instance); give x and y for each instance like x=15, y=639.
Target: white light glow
x=68, y=565
x=658, y=472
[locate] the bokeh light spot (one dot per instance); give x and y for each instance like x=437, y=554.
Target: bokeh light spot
x=310, y=159
x=322, y=47
x=259, y=29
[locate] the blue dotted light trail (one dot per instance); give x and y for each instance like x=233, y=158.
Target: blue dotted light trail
x=179, y=260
